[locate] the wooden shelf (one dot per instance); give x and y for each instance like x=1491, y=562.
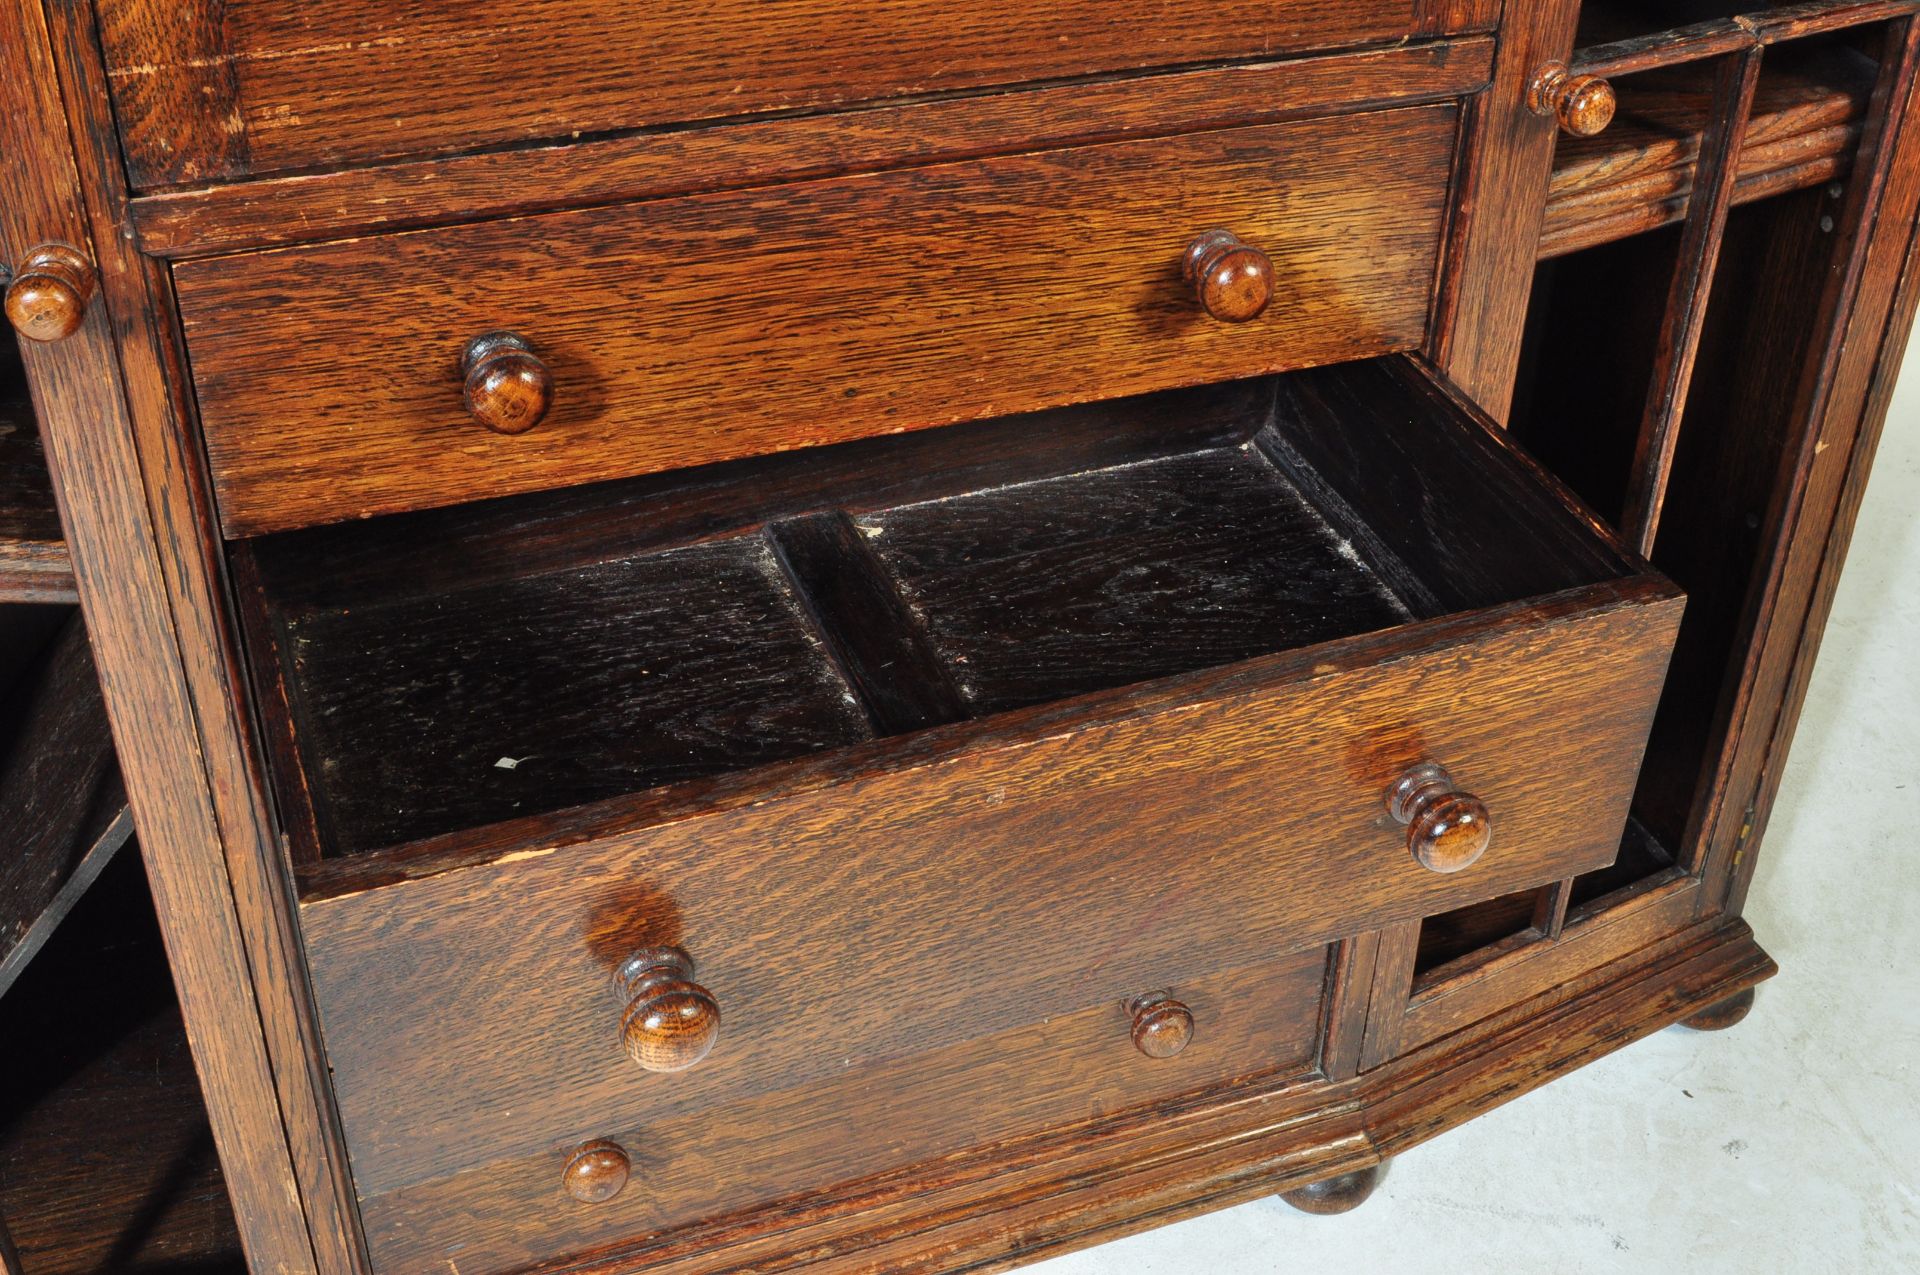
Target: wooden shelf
x=63, y=813
x=34, y=566
x=106, y=1159
x=1638, y=175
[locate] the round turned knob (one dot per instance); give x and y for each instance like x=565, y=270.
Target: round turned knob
x=1583, y=104
x=1162, y=1026
x=596, y=1172
x=47, y=300
x=1447, y=829
x=670, y=1022
x=508, y=388
x=1233, y=280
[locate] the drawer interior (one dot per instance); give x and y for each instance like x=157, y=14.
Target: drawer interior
x=425, y=674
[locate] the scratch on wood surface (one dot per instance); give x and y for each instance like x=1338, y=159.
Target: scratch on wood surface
x=521, y=856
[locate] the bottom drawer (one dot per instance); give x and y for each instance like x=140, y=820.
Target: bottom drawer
x=1035, y=719
x=1079, y=1072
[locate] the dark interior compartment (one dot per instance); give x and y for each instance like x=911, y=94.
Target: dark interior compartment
x=435, y=672
x=34, y=567
x=1604, y=21
x=1737, y=439
x=107, y=1162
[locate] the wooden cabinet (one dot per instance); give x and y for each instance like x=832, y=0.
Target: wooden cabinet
x=902, y=639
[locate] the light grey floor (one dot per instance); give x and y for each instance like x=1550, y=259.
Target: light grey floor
x=1789, y=1144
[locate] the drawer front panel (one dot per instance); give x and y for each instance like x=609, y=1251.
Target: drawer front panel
x=949, y=897
x=703, y=329
x=208, y=90
x=1258, y=1025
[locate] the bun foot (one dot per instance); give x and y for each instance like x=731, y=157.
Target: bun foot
x=1721, y=1014
x=1339, y=1194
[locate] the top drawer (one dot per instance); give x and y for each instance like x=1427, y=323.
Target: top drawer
x=683, y=332
x=222, y=89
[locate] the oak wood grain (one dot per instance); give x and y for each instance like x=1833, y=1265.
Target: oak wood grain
x=328, y=386
x=1026, y=1198
x=171, y=481
x=1507, y=155
x=1639, y=174
x=1105, y=798
x=81, y=399
x=305, y=207
x=341, y=81
x=875, y=1117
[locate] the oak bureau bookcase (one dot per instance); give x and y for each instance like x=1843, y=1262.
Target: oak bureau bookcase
x=900, y=636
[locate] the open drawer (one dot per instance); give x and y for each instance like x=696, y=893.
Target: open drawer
x=913, y=746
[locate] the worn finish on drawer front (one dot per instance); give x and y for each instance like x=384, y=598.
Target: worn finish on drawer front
x=1076, y=1071
x=219, y=89
x=702, y=329
x=922, y=898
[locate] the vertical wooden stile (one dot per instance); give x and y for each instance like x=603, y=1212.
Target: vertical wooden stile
x=1717, y=167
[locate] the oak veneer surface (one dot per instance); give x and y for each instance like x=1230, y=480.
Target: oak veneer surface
x=805, y=1145
x=694, y=330
x=208, y=92
x=1270, y=787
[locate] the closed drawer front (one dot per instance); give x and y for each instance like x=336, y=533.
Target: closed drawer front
x=472, y=1030
x=207, y=90
x=694, y=330
x=1028, y=1080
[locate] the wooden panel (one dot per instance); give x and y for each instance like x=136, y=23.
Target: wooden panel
x=405, y=194
x=987, y=838
x=1474, y=990
x=702, y=329
x=1806, y=530
x=1074, y=1071
x=1481, y=305
x=351, y=80
x=1465, y=519
x=89, y=434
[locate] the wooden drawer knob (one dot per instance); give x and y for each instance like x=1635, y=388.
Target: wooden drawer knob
x=1582, y=104
x=596, y=1172
x=1162, y=1026
x=1233, y=280
x=47, y=300
x=1447, y=829
x=507, y=386
x=669, y=1022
